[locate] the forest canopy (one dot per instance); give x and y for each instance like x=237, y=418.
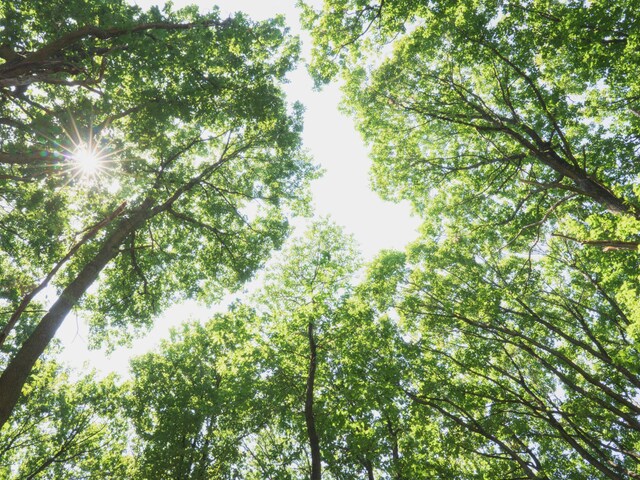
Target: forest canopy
x=501, y=343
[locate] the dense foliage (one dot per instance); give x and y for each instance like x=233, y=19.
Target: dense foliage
x=503, y=343
x=185, y=156
x=513, y=128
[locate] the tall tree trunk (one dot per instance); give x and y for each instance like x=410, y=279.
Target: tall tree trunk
x=368, y=465
x=395, y=451
x=314, y=443
x=15, y=375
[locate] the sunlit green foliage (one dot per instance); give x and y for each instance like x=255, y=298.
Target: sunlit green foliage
x=66, y=427
x=503, y=114
x=513, y=129
x=501, y=344
x=188, y=112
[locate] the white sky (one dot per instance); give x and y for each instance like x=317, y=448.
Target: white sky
x=343, y=193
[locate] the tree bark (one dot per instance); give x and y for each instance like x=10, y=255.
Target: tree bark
x=15, y=375
x=314, y=443
x=606, y=245
x=585, y=184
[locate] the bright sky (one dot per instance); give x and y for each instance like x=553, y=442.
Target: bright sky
x=343, y=193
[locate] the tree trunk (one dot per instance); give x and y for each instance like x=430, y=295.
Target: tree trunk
x=314, y=443
x=15, y=375
x=395, y=451
x=587, y=185
x=368, y=465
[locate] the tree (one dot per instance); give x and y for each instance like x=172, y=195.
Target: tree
x=193, y=403
x=251, y=393
x=513, y=129
x=369, y=429
x=301, y=298
x=530, y=371
x=248, y=395
x=522, y=111
x=188, y=153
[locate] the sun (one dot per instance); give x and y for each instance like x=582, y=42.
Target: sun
x=87, y=161
x=84, y=158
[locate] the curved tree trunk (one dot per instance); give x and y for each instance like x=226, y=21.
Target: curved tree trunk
x=15, y=375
